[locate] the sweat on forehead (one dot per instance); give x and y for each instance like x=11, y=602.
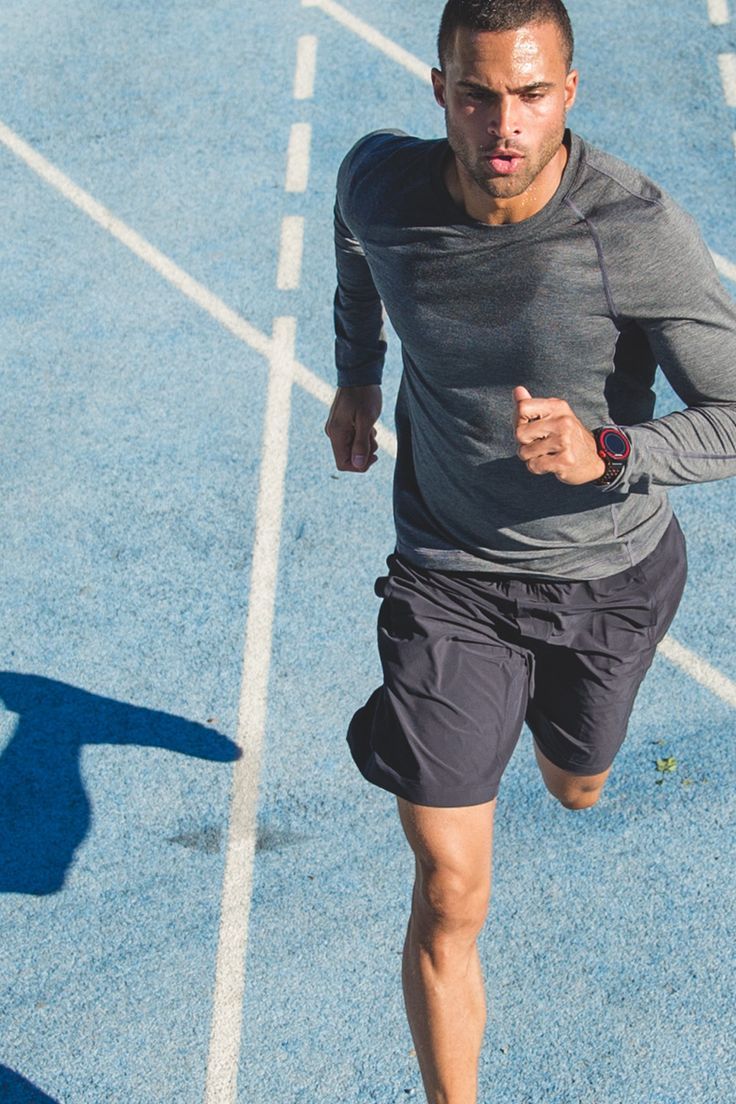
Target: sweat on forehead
x=502, y=15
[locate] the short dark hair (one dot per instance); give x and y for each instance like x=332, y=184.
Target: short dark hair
x=502, y=15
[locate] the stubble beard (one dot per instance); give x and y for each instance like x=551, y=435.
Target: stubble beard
x=502, y=187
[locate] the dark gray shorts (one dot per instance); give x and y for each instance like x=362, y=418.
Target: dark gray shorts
x=467, y=657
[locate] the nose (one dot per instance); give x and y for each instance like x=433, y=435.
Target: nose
x=502, y=120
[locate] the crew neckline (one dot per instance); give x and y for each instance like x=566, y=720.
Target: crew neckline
x=458, y=216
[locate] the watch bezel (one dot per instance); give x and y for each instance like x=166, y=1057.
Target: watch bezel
x=604, y=452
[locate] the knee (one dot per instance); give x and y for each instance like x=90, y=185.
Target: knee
x=583, y=799
x=450, y=904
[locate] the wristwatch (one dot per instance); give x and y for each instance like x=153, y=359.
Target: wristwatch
x=615, y=448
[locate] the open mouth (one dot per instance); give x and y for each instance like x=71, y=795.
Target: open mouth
x=504, y=163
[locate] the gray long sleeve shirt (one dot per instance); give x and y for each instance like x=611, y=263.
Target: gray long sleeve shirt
x=580, y=302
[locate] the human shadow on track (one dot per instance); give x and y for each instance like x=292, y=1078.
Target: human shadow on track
x=14, y=1089
x=44, y=810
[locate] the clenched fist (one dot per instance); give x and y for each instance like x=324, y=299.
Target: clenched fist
x=350, y=426
x=553, y=440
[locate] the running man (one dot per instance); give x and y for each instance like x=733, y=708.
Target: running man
x=535, y=283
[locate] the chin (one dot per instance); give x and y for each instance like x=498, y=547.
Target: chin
x=503, y=189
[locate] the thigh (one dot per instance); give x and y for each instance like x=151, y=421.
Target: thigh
x=453, y=848
x=442, y=727
x=586, y=681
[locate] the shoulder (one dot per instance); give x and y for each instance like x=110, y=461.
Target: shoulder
x=373, y=150
x=379, y=168
x=621, y=200
x=650, y=249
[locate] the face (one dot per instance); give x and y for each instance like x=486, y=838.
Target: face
x=505, y=93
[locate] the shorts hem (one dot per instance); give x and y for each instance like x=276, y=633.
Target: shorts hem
x=581, y=771
x=415, y=792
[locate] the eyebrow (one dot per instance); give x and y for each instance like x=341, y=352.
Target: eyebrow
x=536, y=86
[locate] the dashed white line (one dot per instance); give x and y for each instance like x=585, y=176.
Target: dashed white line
x=306, y=63
x=297, y=164
x=718, y=12
x=227, y=1014
x=413, y=64
x=727, y=65
x=397, y=53
x=290, y=255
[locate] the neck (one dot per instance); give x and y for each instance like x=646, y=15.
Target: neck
x=494, y=210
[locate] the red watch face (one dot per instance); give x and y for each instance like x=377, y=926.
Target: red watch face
x=614, y=444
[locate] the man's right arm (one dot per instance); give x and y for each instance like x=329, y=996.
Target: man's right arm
x=360, y=350
x=360, y=340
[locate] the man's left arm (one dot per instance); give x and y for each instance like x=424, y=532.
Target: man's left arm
x=677, y=299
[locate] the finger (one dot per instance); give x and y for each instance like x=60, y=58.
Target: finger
x=529, y=410
x=519, y=393
x=528, y=433
x=543, y=465
x=535, y=449
x=340, y=441
x=362, y=443
x=343, y=439
x=371, y=460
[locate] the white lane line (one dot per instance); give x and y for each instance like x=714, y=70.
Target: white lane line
x=237, y=325
x=227, y=1013
x=226, y=1028
x=727, y=65
x=375, y=38
x=297, y=158
x=725, y=267
x=291, y=252
x=306, y=64
x=138, y=245
x=718, y=12
x=704, y=673
x=414, y=65
x=312, y=383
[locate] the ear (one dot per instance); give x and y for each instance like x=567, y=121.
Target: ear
x=438, y=84
x=571, y=88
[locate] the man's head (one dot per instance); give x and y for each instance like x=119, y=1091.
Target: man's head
x=502, y=15
x=506, y=85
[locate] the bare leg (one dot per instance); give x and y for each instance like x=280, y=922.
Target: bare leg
x=441, y=971
x=574, y=791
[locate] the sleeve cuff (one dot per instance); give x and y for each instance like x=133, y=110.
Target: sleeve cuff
x=359, y=377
